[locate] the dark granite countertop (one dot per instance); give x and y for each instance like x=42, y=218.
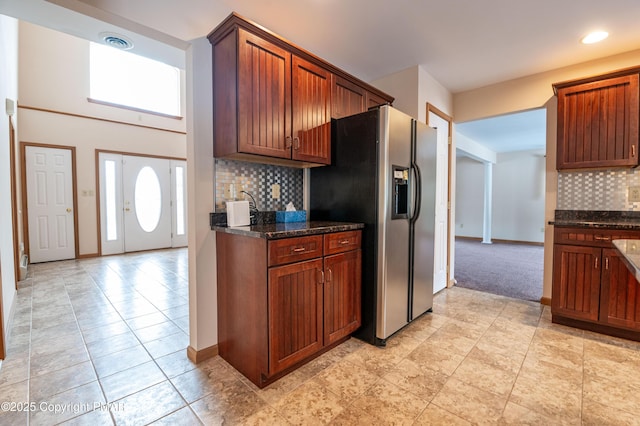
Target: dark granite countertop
x=272, y=231
x=597, y=219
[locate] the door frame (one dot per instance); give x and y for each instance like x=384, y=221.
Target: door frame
x=449, y=120
x=14, y=201
x=99, y=195
x=74, y=190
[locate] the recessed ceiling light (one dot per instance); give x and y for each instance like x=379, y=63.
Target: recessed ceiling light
x=116, y=40
x=595, y=37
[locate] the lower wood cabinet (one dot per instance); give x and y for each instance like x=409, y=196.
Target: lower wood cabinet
x=592, y=287
x=295, y=313
x=576, y=281
x=282, y=302
x=620, y=306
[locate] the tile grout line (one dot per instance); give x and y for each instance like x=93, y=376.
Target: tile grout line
x=84, y=342
x=153, y=359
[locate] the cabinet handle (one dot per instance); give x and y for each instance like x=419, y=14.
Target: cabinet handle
x=596, y=265
x=344, y=242
x=633, y=150
x=296, y=143
x=321, y=276
x=597, y=238
x=606, y=263
x=329, y=275
x=287, y=142
x=298, y=249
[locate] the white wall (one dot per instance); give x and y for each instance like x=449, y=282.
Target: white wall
x=518, y=197
x=54, y=75
x=469, y=197
x=413, y=88
x=8, y=89
x=404, y=87
x=203, y=318
x=430, y=90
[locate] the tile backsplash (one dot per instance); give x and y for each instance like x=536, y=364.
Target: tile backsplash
x=597, y=190
x=257, y=179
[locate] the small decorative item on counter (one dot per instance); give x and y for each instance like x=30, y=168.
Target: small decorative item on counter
x=291, y=215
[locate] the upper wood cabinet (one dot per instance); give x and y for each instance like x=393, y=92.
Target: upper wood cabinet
x=374, y=100
x=264, y=101
x=598, y=121
x=311, y=112
x=273, y=101
x=348, y=98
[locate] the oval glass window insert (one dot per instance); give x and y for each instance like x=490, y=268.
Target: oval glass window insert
x=148, y=199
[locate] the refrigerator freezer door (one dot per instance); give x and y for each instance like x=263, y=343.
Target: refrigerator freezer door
x=426, y=145
x=393, y=235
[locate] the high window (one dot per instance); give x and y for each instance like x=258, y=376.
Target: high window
x=122, y=78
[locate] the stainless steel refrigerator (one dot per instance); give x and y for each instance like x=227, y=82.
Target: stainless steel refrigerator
x=383, y=174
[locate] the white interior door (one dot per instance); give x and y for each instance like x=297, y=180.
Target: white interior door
x=50, y=204
x=147, y=203
x=442, y=190
x=178, y=203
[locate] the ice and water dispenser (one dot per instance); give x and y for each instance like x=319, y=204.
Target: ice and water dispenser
x=400, y=193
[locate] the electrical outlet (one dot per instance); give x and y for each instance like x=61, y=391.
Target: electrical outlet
x=275, y=191
x=228, y=191
x=634, y=193
x=239, y=189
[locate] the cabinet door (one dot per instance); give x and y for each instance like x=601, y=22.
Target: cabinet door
x=311, y=112
x=620, y=293
x=598, y=124
x=576, y=281
x=264, y=97
x=348, y=98
x=295, y=313
x=342, y=295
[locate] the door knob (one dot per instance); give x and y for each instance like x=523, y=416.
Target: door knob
x=68, y=210
x=127, y=209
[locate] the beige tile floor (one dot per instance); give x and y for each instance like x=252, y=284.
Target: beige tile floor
x=102, y=341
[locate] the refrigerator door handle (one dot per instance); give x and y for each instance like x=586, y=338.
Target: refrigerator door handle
x=417, y=196
x=418, y=193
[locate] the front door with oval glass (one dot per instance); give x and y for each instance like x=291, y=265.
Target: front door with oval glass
x=142, y=203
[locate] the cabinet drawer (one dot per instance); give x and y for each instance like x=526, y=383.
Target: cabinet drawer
x=591, y=237
x=291, y=250
x=339, y=242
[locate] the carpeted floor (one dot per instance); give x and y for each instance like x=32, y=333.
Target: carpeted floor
x=513, y=270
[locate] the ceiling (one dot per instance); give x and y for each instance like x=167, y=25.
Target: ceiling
x=520, y=131
x=463, y=44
